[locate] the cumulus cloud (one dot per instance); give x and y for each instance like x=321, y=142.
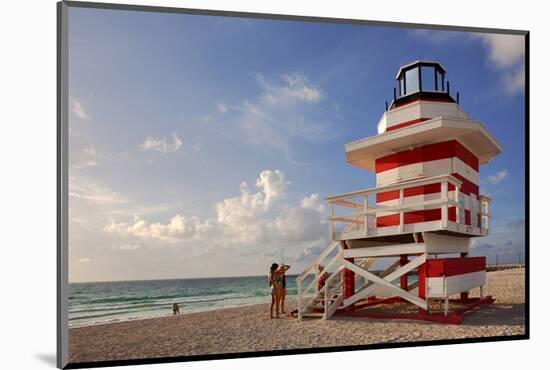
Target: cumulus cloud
x=179, y=228
x=507, y=55
x=300, y=224
x=498, y=177
x=162, y=145
x=504, y=50
x=313, y=202
x=252, y=218
x=243, y=217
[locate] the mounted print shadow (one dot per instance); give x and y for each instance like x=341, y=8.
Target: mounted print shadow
x=248, y=184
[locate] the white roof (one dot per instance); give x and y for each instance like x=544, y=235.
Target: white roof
x=472, y=134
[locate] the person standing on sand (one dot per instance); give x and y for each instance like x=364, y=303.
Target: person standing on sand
x=275, y=283
x=284, y=268
x=175, y=309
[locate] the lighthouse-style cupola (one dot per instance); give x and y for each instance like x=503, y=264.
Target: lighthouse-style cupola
x=421, y=79
x=424, y=210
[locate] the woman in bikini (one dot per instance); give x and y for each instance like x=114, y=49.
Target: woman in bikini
x=275, y=285
x=282, y=270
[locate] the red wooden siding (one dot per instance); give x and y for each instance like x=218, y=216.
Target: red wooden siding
x=430, y=152
x=454, y=266
x=415, y=216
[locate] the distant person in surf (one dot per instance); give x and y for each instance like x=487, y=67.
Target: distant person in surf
x=176, y=309
x=282, y=270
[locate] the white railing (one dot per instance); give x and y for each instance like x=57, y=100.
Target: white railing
x=484, y=202
x=362, y=217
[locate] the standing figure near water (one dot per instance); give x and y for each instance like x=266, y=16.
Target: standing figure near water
x=176, y=309
x=275, y=280
x=284, y=268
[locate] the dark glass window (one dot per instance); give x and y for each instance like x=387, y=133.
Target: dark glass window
x=401, y=87
x=411, y=80
x=428, y=78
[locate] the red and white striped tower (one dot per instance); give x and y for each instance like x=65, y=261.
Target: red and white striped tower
x=424, y=210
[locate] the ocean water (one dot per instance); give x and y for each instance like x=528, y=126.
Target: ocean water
x=95, y=303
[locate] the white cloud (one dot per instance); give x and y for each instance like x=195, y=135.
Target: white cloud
x=514, y=80
x=222, y=108
x=504, y=50
x=128, y=247
x=179, y=228
x=313, y=202
x=89, y=191
x=90, y=151
x=78, y=108
x=498, y=177
x=302, y=223
x=251, y=219
x=242, y=217
x=161, y=145
x=286, y=112
x=272, y=184
x=89, y=158
x=297, y=88
x=505, y=53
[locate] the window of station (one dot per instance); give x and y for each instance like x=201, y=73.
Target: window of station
x=429, y=78
x=411, y=81
x=421, y=77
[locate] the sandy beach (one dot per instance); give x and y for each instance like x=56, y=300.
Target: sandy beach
x=249, y=328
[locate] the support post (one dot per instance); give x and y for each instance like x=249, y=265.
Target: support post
x=349, y=280
x=330, y=222
x=444, y=207
x=404, y=279
x=366, y=214
x=457, y=208
x=464, y=295
x=422, y=273
x=446, y=306
x=401, y=214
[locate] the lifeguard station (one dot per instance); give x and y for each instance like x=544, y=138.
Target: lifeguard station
x=423, y=212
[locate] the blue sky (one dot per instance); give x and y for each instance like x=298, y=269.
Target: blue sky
x=203, y=146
